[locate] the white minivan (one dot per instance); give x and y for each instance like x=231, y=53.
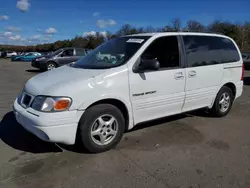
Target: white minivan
x=10, y=54
x=151, y=76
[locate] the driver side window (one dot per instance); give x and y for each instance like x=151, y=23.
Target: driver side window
x=68, y=53
x=165, y=50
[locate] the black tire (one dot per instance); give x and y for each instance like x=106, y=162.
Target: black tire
x=50, y=64
x=89, y=118
x=216, y=110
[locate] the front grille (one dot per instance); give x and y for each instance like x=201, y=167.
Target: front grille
x=26, y=100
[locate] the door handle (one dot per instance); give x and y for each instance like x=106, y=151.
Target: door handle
x=179, y=75
x=191, y=74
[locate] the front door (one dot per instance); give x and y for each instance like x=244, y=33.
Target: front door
x=66, y=57
x=160, y=93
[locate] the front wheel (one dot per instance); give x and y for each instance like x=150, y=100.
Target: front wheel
x=50, y=66
x=223, y=102
x=101, y=128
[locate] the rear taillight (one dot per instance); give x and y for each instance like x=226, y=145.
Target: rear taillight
x=242, y=73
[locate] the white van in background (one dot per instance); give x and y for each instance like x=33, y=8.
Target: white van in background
x=151, y=76
x=10, y=54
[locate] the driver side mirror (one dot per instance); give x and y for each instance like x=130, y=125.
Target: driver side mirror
x=147, y=64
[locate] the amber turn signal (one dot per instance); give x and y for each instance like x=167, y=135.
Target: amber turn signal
x=62, y=104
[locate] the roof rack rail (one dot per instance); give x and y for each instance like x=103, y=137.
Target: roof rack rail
x=202, y=32
x=215, y=32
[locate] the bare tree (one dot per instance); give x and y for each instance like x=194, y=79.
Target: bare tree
x=243, y=38
x=195, y=26
x=239, y=32
x=126, y=29
x=176, y=24
x=149, y=29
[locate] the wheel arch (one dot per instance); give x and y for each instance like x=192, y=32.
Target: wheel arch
x=117, y=103
x=52, y=61
x=231, y=86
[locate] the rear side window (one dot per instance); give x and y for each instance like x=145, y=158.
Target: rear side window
x=208, y=50
x=80, y=52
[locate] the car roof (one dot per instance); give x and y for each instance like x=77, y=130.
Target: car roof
x=179, y=33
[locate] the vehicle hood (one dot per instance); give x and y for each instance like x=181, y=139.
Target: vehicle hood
x=59, y=81
x=23, y=57
x=16, y=56
x=46, y=56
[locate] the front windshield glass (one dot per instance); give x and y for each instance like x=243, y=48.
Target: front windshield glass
x=57, y=52
x=112, y=53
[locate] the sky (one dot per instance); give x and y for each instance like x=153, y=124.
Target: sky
x=30, y=22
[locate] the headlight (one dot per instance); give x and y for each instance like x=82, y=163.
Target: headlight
x=51, y=104
x=19, y=97
x=41, y=58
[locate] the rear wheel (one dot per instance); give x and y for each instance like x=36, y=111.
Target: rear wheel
x=51, y=66
x=223, y=102
x=101, y=128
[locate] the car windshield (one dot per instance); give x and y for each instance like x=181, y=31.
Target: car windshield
x=57, y=52
x=112, y=53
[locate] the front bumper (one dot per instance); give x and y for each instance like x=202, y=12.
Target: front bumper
x=60, y=127
x=38, y=64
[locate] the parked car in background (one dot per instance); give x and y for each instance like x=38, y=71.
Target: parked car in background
x=3, y=54
x=22, y=53
x=105, y=57
x=246, y=59
x=47, y=53
x=26, y=57
x=154, y=76
x=58, y=58
x=10, y=54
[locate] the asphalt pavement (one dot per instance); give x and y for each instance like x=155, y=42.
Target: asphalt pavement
x=191, y=150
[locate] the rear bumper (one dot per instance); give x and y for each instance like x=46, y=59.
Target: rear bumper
x=58, y=127
x=239, y=89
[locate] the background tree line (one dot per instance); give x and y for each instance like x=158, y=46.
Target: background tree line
x=239, y=32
